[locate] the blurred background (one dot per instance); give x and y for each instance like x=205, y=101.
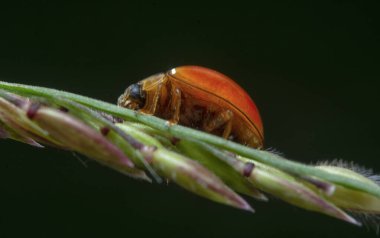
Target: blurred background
x=311, y=68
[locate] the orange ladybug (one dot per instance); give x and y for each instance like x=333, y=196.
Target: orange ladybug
x=200, y=98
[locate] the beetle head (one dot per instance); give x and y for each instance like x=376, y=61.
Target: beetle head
x=133, y=97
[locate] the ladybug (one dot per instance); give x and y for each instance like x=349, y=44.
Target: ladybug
x=199, y=98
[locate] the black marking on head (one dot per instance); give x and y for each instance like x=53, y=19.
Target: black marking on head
x=137, y=94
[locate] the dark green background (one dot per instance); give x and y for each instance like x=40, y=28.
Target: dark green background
x=312, y=68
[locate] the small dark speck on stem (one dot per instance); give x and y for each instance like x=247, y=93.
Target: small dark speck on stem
x=104, y=131
x=248, y=168
x=175, y=140
x=32, y=110
x=63, y=109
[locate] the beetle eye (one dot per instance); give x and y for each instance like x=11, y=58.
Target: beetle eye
x=137, y=95
x=135, y=92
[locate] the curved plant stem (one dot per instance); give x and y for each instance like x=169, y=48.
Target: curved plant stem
x=184, y=132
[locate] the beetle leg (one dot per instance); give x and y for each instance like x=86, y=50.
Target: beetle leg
x=152, y=105
x=222, y=118
x=227, y=129
x=175, y=104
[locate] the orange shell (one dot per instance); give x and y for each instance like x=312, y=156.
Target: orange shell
x=223, y=87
